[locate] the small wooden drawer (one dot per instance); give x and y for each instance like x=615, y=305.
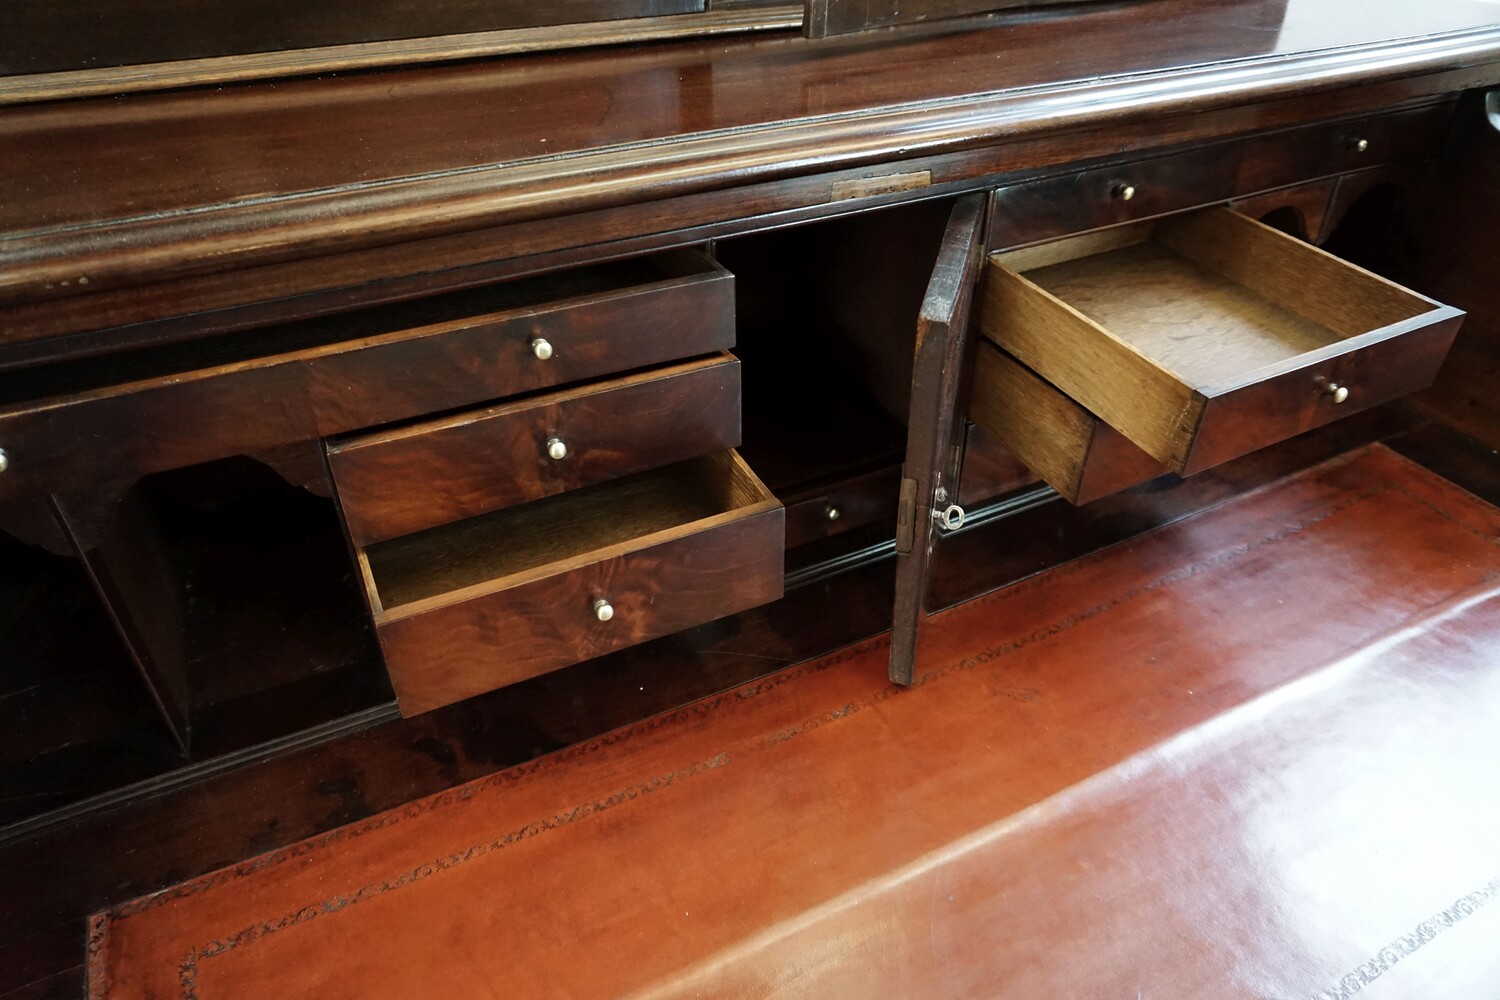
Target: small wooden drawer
x=123, y=416
x=1139, y=189
x=401, y=481
x=1205, y=336
x=832, y=509
x=1074, y=452
x=478, y=604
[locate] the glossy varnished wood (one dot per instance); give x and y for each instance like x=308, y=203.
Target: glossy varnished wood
x=173, y=408
x=399, y=481
x=727, y=128
x=476, y=605
x=1094, y=198
x=839, y=17
x=279, y=798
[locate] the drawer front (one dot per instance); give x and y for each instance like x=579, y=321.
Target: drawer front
x=477, y=645
x=1239, y=421
x=1076, y=453
x=397, y=482
x=164, y=422
x=1092, y=199
x=832, y=510
x=1204, y=336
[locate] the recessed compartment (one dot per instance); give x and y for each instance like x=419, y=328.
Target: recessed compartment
x=410, y=478
x=1205, y=336
x=1074, y=452
x=492, y=600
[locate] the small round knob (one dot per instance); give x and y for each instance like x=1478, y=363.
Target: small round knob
x=1357, y=145
x=556, y=450
x=603, y=610
x=832, y=513
x=1337, y=393
x=1122, y=192
x=4, y=460
x=541, y=349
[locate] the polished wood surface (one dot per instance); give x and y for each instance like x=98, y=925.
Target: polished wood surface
x=201, y=401
x=88, y=202
x=1041, y=710
x=432, y=472
x=45, y=37
x=839, y=17
x=1209, y=334
x=135, y=77
x=494, y=600
x=1078, y=201
x=293, y=791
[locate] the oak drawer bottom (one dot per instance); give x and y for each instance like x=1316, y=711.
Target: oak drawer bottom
x=487, y=602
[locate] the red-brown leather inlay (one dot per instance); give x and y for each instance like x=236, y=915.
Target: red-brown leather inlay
x=1249, y=754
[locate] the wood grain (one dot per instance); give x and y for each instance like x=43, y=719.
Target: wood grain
x=400, y=481
x=1088, y=363
x=141, y=70
x=934, y=453
x=490, y=601
x=86, y=203
x=1300, y=210
x=840, y=17
x=1297, y=276
x=240, y=299
x=1199, y=326
x=1151, y=335
x=1073, y=451
x=1082, y=200
x=187, y=405
x=990, y=469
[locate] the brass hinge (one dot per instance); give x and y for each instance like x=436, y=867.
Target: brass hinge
x=906, y=517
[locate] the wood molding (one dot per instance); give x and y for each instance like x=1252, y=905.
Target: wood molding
x=140, y=77
x=47, y=263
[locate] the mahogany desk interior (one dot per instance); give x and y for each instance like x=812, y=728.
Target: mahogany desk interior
x=253, y=337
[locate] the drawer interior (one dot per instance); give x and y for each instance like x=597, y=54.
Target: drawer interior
x=1210, y=306
x=506, y=547
x=1147, y=325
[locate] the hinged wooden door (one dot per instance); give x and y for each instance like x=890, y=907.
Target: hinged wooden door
x=934, y=442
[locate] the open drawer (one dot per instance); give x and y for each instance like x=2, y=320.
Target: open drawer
x=1205, y=336
x=492, y=600
x=1074, y=452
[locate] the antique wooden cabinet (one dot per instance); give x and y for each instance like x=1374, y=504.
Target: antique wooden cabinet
x=325, y=398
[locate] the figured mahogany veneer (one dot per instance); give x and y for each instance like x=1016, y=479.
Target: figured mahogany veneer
x=1092, y=199
x=1075, y=452
x=482, y=603
x=118, y=417
x=1206, y=336
x=399, y=481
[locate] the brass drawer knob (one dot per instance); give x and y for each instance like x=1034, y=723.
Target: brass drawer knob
x=1122, y=191
x=1337, y=393
x=1357, y=145
x=603, y=610
x=541, y=349
x=556, y=449
x=4, y=460
x=832, y=513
